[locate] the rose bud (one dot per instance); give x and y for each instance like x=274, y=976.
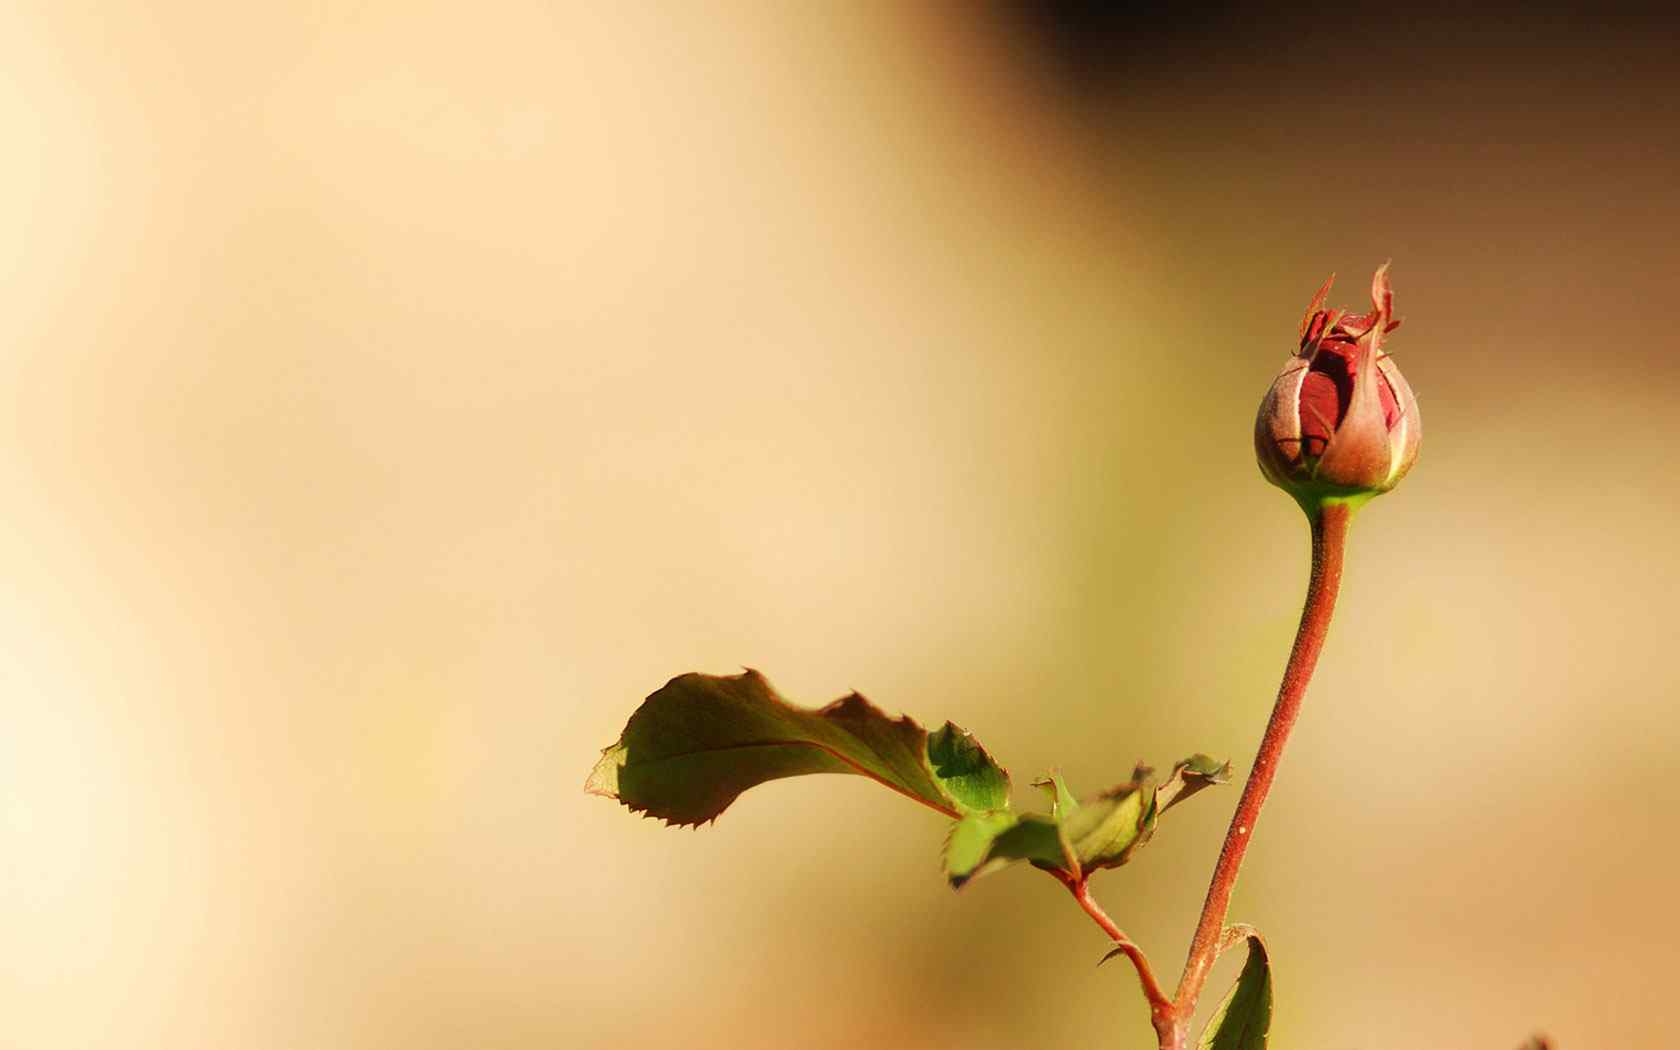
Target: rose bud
x=1340, y=423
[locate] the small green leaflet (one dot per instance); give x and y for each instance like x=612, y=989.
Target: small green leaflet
x=1190, y=776
x=984, y=842
x=1245, y=1015
x=695, y=745
x=1077, y=838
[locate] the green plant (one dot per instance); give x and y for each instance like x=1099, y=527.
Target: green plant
x=1338, y=427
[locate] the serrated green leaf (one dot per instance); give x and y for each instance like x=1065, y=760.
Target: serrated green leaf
x=971, y=842
x=983, y=842
x=696, y=744
x=1033, y=838
x=965, y=771
x=1188, y=777
x=1244, y=1017
x=1104, y=830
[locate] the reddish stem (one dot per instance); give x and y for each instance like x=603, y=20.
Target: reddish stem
x=1161, y=1011
x=1329, y=536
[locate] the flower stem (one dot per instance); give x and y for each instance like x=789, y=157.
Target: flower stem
x=1329, y=536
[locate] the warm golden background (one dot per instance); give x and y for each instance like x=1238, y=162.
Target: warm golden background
x=396, y=392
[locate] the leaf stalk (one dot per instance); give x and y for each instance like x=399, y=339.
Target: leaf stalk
x=1161, y=1009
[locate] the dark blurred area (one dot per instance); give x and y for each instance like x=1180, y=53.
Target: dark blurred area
x=399, y=392
x=1097, y=46
x=1093, y=46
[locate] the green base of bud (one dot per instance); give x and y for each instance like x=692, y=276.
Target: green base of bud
x=1315, y=499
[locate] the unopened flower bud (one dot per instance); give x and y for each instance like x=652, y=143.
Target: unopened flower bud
x=1340, y=422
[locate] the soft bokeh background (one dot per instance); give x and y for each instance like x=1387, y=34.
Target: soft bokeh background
x=396, y=392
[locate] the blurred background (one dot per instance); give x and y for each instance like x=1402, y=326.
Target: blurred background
x=396, y=393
